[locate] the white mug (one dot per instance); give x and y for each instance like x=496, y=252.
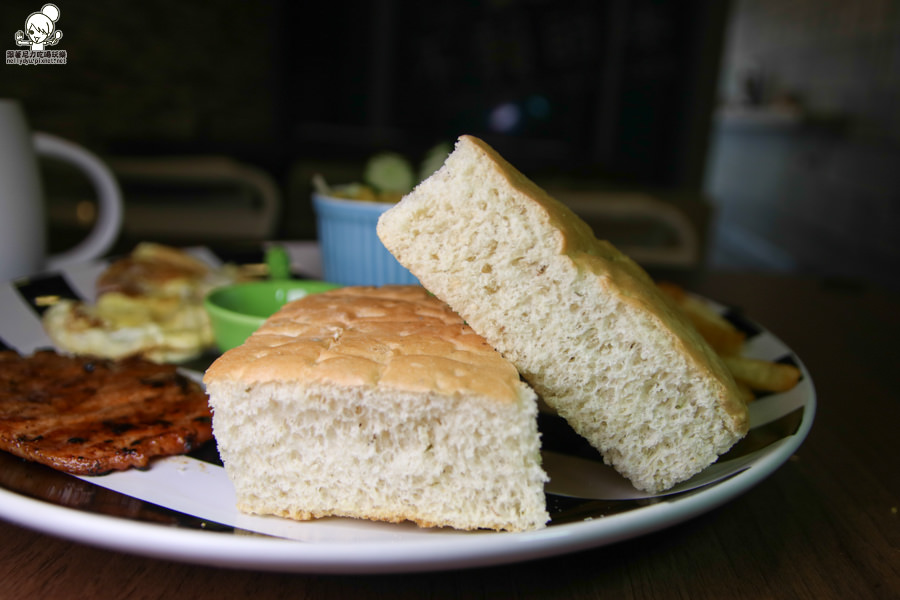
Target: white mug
x=22, y=227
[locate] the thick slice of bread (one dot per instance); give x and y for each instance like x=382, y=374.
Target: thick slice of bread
x=583, y=323
x=378, y=403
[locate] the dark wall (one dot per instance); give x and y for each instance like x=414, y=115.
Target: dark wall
x=153, y=76
x=618, y=89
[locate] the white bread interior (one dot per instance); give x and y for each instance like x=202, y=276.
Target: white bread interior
x=583, y=323
x=378, y=403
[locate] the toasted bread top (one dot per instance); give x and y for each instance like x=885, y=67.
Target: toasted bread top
x=393, y=337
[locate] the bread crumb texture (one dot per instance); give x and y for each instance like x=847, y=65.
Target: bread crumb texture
x=378, y=403
x=583, y=323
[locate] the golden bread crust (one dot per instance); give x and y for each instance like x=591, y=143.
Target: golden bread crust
x=397, y=337
x=620, y=276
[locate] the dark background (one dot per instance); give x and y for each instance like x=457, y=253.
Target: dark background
x=272, y=82
x=623, y=94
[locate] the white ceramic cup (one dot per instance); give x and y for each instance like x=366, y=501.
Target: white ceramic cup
x=22, y=227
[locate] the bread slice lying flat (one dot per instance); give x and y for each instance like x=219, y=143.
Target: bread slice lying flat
x=583, y=323
x=378, y=403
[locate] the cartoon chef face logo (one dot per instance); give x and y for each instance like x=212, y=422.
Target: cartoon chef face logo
x=40, y=29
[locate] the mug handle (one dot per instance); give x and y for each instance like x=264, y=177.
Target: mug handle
x=109, y=215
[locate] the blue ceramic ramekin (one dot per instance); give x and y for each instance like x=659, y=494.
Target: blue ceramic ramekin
x=352, y=254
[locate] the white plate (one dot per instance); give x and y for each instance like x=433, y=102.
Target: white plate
x=182, y=508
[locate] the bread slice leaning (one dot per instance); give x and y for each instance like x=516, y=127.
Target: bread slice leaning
x=378, y=403
x=583, y=323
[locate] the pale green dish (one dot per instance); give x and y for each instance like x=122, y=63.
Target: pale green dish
x=238, y=310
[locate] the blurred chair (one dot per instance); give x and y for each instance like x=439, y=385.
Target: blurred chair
x=655, y=232
x=197, y=199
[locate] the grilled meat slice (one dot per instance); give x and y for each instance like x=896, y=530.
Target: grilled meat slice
x=89, y=416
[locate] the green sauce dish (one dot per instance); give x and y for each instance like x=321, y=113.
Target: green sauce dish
x=236, y=311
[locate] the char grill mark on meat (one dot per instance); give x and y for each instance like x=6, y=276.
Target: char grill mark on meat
x=91, y=416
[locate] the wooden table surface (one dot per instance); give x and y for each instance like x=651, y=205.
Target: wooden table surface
x=825, y=525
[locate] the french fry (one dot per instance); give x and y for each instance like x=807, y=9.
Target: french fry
x=761, y=375
x=718, y=332
x=672, y=290
x=746, y=393
x=751, y=375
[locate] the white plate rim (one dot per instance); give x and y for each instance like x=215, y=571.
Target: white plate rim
x=425, y=553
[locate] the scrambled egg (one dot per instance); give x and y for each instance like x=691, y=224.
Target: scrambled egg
x=149, y=304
